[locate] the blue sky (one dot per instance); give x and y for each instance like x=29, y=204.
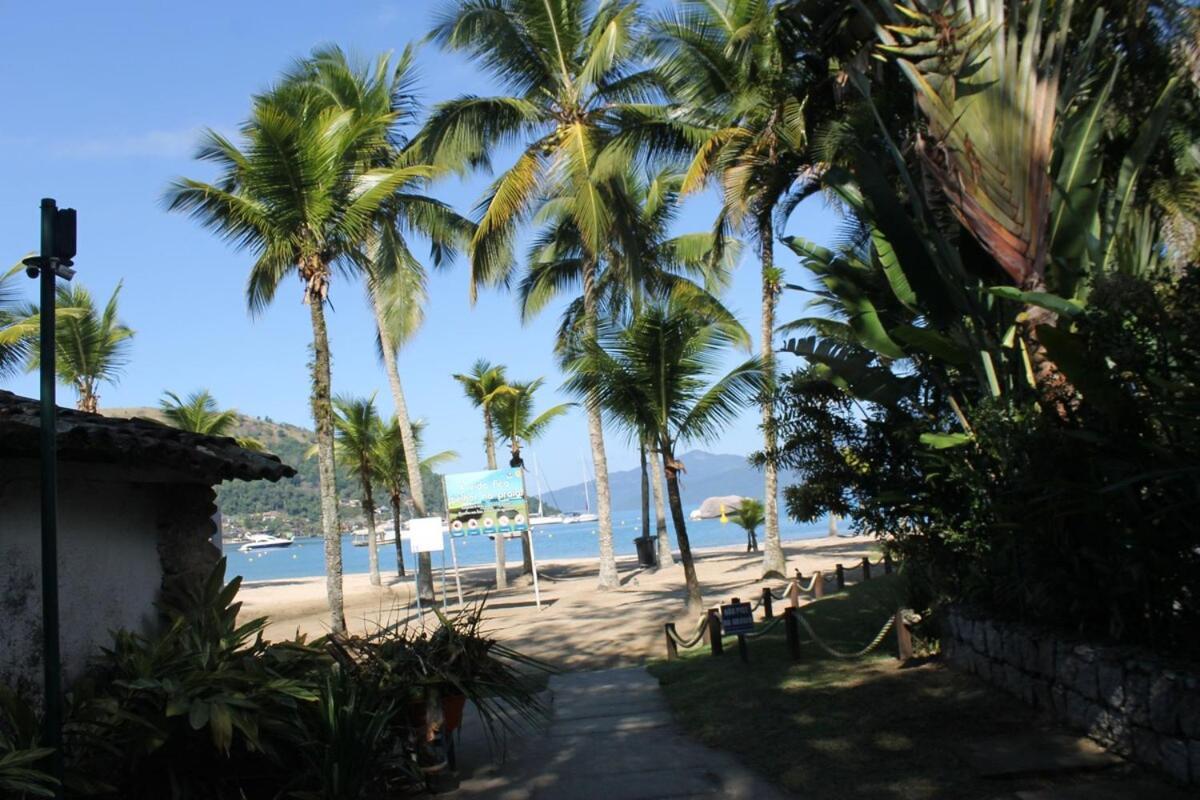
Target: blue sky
x=103, y=102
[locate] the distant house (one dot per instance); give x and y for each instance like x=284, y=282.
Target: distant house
x=136, y=510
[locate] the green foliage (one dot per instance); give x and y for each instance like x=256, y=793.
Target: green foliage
x=205, y=708
x=92, y=344
x=1086, y=521
x=21, y=759
x=16, y=329
x=513, y=416
x=749, y=515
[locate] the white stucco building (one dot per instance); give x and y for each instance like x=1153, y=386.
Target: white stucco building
x=135, y=511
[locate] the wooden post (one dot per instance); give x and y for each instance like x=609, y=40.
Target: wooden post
x=887, y=563
x=841, y=578
x=904, y=647
x=743, y=653
x=794, y=594
x=714, y=632
x=767, y=599
x=792, y=628
x=866, y=568
x=672, y=646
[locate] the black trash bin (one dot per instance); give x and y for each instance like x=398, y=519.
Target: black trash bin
x=646, y=546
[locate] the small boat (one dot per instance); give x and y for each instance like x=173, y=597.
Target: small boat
x=573, y=517
x=263, y=541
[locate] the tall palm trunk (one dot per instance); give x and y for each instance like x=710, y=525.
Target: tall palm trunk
x=665, y=556
x=645, y=491
x=833, y=520
x=609, y=578
x=695, y=603
x=368, y=507
x=87, y=398
x=774, y=564
x=396, y=530
x=408, y=442
x=322, y=409
x=489, y=444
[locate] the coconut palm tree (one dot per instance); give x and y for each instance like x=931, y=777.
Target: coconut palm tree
x=390, y=462
x=16, y=330
x=199, y=413
x=302, y=193
x=573, y=81
x=395, y=278
x=657, y=371
x=727, y=65
x=650, y=261
x=357, y=431
x=750, y=515
x=484, y=386
x=515, y=425
x=92, y=344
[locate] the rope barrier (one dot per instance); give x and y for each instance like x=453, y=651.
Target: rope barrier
x=765, y=629
x=696, y=637
x=839, y=654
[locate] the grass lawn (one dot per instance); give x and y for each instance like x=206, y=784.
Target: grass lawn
x=829, y=728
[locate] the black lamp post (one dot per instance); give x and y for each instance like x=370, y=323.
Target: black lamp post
x=58, y=248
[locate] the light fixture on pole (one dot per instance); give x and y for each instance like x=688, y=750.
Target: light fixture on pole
x=55, y=260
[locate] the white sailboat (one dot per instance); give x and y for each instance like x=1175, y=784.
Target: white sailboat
x=541, y=518
x=572, y=517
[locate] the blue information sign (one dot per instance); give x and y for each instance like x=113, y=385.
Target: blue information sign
x=737, y=618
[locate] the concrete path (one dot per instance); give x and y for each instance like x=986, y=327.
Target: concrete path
x=611, y=737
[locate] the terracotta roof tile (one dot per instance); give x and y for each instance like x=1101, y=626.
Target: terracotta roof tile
x=94, y=438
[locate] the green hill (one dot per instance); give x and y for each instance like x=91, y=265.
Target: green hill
x=293, y=504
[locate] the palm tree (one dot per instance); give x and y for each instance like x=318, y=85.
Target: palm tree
x=656, y=371
x=16, y=330
x=302, y=194
x=92, y=345
x=573, y=79
x=515, y=424
x=389, y=459
x=484, y=386
x=750, y=515
x=357, y=431
x=199, y=413
x=727, y=65
x=649, y=261
x=395, y=278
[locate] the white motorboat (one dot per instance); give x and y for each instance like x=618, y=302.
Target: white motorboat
x=263, y=541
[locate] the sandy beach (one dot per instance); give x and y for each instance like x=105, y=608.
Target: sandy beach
x=578, y=625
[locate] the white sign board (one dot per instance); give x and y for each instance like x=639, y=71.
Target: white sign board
x=425, y=535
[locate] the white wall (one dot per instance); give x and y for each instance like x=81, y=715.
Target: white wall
x=108, y=562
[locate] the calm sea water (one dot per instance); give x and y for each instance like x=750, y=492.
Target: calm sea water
x=306, y=557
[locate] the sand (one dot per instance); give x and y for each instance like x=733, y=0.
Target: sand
x=578, y=626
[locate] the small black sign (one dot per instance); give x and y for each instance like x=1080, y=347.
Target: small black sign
x=737, y=618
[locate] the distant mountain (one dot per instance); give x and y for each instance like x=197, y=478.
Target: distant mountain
x=295, y=501
x=708, y=475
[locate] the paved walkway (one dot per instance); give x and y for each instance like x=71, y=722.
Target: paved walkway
x=611, y=737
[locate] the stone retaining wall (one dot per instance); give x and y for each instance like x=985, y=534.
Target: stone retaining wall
x=1134, y=704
